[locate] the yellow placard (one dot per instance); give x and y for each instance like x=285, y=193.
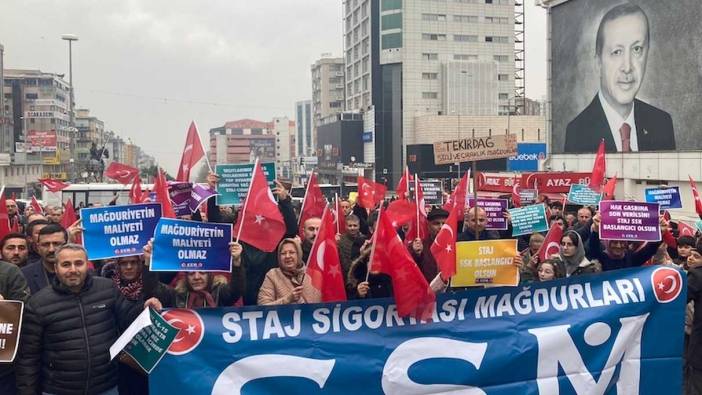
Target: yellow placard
x=352, y=197
x=485, y=262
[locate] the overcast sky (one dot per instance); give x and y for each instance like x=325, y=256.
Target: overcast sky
x=148, y=67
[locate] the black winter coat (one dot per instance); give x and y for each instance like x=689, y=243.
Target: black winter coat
x=66, y=338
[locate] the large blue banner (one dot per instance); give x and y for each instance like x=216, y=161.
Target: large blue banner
x=620, y=332
x=115, y=231
x=181, y=245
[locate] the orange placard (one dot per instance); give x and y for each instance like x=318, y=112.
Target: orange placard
x=485, y=262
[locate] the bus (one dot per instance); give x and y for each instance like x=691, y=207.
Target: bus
x=83, y=195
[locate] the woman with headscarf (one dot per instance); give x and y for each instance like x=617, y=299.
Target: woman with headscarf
x=572, y=254
x=287, y=283
x=197, y=289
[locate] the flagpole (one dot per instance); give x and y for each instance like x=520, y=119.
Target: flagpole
x=207, y=160
x=375, y=238
x=246, y=202
x=474, y=173
x=336, y=208
x=304, y=199
x=416, y=199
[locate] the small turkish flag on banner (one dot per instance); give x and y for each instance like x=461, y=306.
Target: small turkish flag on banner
x=313, y=204
x=686, y=230
x=124, y=174
x=36, y=206
x=444, y=246
x=370, y=193
x=192, y=153
x=598, y=169
x=413, y=295
x=69, y=218
x=552, y=243
x=696, y=195
x=457, y=200
x=323, y=265
x=161, y=189
x=53, y=185
x=4, y=216
x=260, y=222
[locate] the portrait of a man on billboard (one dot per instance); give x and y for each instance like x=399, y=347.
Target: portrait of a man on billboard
x=626, y=124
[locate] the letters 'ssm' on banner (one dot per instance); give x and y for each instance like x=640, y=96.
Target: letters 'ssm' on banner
x=116, y=231
x=619, y=332
x=191, y=246
x=485, y=262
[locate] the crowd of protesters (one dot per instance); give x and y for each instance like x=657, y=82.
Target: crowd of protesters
x=76, y=308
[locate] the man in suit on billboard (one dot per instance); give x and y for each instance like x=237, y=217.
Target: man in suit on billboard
x=615, y=115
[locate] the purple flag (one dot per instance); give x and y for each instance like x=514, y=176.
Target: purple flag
x=199, y=194
x=179, y=192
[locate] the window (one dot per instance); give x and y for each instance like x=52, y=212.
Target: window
x=434, y=17
x=466, y=1
x=365, y=82
x=500, y=58
x=465, y=57
x=391, y=5
x=465, y=18
x=433, y=37
x=465, y=38
x=503, y=77
x=497, y=20
x=31, y=96
x=392, y=21
x=497, y=39
x=430, y=76
x=392, y=40
x=430, y=56
x=365, y=63
x=430, y=95
x=503, y=96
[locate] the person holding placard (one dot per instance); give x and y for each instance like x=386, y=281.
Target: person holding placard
x=287, y=283
x=616, y=253
x=197, y=289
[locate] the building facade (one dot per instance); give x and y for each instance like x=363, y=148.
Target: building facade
x=242, y=141
x=327, y=89
x=303, y=120
x=284, y=130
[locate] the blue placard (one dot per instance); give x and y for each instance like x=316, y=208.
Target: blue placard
x=582, y=194
x=617, y=332
x=529, y=219
x=234, y=180
x=191, y=246
x=667, y=197
x=115, y=231
x=528, y=156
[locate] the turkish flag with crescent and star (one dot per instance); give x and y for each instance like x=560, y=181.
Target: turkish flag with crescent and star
x=192, y=153
x=53, y=185
x=370, y=193
x=124, y=174
x=389, y=255
x=190, y=327
x=686, y=230
x=313, y=204
x=552, y=243
x=444, y=246
x=323, y=265
x=457, y=200
x=696, y=195
x=260, y=222
x=516, y=197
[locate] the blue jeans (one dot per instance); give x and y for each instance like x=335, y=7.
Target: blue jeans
x=111, y=391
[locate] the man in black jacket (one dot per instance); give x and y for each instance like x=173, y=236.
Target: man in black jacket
x=39, y=274
x=12, y=287
x=68, y=329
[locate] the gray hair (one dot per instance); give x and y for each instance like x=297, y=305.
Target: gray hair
x=71, y=247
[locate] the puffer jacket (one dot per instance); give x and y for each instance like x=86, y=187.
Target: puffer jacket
x=66, y=338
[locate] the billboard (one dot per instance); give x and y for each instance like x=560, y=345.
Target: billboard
x=42, y=140
x=527, y=158
x=628, y=73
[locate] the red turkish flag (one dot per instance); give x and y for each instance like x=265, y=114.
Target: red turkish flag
x=339, y=216
x=444, y=246
x=686, y=230
x=136, y=194
x=457, y=200
x=313, y=204
x=609, y=188
x=370, y=193
x=516, y=198
x=260, y=223
x=53, y=185
x=696, y=195
x=599, y=169
x=124, y=174
x=419, y=227
x=36, y=206
x=323, y=265
x=192, y=153
x=413, y=295
x=402, y=188
x=69, y=218
x=161, y=189
x=4, y=217
x=401, y=211
x=552, y=243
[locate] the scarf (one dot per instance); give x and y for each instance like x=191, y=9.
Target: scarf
x=197, y=299
x=572, y=262
x=129, y=289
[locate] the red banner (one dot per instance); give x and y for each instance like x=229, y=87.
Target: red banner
x=555, y=182
x=495, y=182
x=42, y=140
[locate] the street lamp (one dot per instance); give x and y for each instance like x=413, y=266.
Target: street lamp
x=71, y=38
